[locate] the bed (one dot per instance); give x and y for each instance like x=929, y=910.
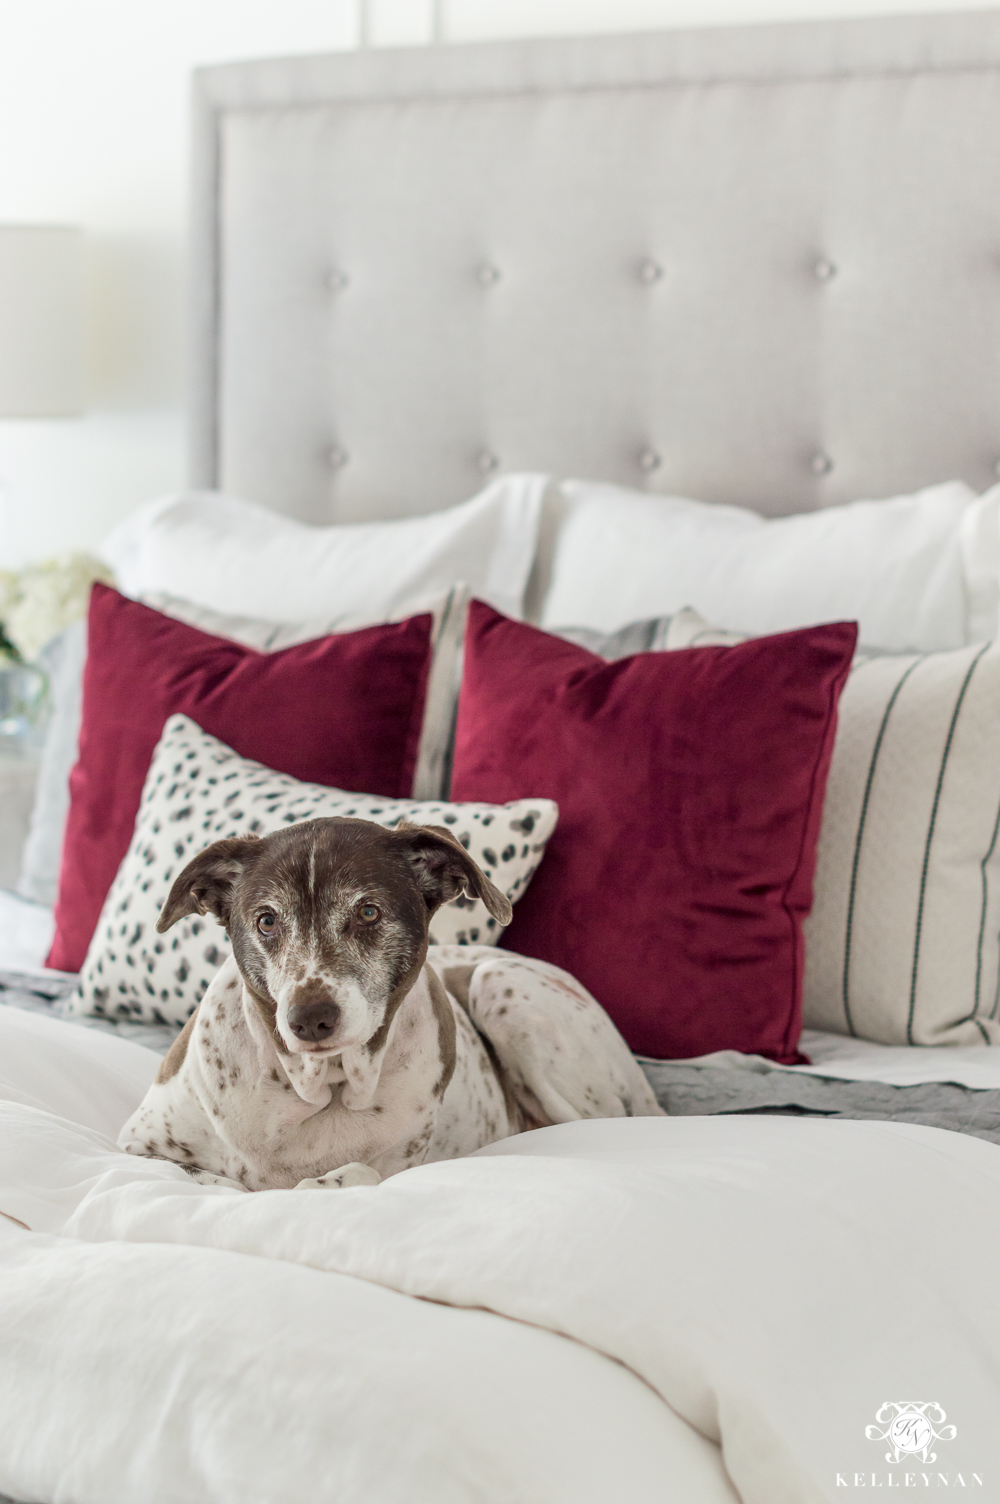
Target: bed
x=760, y=267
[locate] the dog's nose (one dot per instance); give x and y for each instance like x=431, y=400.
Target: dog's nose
x=313, y=1023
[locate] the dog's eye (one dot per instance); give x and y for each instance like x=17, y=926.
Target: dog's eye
x=369, y=913
x=266, y=923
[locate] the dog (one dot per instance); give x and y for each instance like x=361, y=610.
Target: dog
x=335, y=1047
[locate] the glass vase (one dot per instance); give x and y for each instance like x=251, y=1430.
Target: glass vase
x=24, y=696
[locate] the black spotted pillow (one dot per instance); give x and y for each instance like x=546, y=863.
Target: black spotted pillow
x=198, y=791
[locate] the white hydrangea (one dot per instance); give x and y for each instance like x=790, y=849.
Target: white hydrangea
x=10, y=590
x=44, y=599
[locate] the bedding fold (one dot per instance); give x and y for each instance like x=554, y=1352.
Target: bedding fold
x=169, y=1374
x=772, y=1281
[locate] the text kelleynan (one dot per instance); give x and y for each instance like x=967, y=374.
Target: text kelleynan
x=909, y=1480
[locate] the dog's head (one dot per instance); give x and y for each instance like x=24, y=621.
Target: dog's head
x=328, y=920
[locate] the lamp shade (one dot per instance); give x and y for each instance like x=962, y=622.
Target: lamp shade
x=41, y=321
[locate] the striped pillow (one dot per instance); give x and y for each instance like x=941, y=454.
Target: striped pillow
x=903, y=942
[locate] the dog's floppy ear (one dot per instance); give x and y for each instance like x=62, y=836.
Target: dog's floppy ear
x=206, y=884
x=444, y=869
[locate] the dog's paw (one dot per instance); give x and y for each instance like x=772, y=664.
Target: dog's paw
x=207, y=1177
x=353, y=1174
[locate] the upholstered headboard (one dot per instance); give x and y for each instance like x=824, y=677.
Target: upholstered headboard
x=757, y=265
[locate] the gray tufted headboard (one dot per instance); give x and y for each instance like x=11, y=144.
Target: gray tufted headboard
x=757, y=265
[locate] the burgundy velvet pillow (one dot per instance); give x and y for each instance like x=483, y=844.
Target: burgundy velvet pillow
x=343, y=710
x=690, y=789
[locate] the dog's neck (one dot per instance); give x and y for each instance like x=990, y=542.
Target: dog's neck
x=350, y=1075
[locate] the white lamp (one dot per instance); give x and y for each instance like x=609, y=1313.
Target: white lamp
x=41, y=322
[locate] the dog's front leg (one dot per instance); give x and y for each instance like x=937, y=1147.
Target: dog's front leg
x=362, y=1072
x=347, y=1175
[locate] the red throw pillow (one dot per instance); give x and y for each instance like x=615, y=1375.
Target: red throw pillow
x=690, y=789
x=343, y=710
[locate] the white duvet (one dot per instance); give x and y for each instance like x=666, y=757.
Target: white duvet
x=740, y=1296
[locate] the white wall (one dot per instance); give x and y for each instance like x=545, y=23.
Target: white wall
x=93, y=132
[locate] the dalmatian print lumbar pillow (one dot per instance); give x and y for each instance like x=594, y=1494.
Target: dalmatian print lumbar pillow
x=198, y=791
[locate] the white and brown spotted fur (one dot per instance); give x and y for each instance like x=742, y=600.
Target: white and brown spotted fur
x=333, y=1049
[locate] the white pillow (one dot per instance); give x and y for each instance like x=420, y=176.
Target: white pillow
x=903, y=941
x=198, y=791
x=917, y=572
x=240, y=559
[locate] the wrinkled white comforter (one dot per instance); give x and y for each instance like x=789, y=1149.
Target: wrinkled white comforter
x=758, y=1284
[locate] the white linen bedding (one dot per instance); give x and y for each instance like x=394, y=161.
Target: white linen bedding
x=172, y=1375
x=846, y=1058
x=87, y=1077
x=770, y=1282
x=851, y=1059
x=177, y=1376
x=26, y=931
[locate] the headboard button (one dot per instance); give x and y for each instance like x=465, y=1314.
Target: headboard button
x=649, y=461
x=650, y=272
x=824, y=270
x=821, y=464
x=487, y=275
x=335, y=279
x=486, y=462
x=336, y=457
